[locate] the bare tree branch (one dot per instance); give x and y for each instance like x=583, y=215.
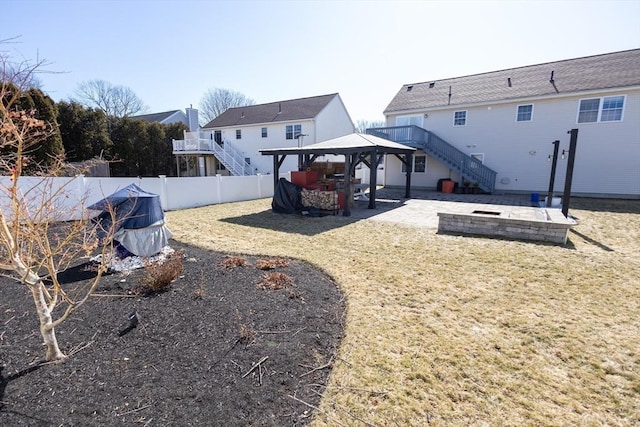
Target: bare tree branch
x=114, y=101
x=217, y=101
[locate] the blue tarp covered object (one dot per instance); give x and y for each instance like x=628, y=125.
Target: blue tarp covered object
x=133, y=208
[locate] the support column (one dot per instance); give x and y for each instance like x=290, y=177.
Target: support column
x=554, y=163
x=276, y=172
x=373, y=179
x=407, y=187
x=347, y=185
x=567, y=182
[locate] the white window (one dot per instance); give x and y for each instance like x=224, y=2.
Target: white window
x=264, y=132
x=419, y=164
x=238, y=133
x=606, y=109
x=292, y=131
x=612, y=107
x=409, y=121
x=460, y=118
x=524, y=113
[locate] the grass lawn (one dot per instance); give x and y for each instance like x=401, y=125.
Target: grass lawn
x=450, y=330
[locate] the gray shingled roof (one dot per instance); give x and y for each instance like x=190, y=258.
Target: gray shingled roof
x=612, y=70
x=290, y=110
x=155, y=117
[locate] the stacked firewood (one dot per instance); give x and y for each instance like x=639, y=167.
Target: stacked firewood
x=325, y=200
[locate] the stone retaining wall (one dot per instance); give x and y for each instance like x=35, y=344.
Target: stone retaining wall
x=554, y=229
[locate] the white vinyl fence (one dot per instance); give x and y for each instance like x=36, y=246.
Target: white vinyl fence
x=68, y=198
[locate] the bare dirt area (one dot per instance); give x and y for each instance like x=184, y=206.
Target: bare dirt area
x=238, y=340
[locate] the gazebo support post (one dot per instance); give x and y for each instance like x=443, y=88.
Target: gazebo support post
x=373, y=178
x=347, y=185
x=407, y=187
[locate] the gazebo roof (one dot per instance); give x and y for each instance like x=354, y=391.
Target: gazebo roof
x=351, y=143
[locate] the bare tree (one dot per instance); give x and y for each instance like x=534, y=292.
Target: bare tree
x=362, y=125
x=19, y=71
x=37, y=239
x=217, y=101
x=113, y=100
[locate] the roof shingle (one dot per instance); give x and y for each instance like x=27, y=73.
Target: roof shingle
x=611, y=70
x=281, y=111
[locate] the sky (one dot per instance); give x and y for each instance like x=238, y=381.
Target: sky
x=171, y=52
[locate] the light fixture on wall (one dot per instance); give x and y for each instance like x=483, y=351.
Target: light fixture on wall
x=426, y=116
x=533, y=152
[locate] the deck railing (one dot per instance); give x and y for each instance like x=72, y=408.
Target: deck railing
x=226, y=153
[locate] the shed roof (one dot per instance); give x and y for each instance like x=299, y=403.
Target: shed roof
x=351, y=143
x=606, y=71
x=280, y=111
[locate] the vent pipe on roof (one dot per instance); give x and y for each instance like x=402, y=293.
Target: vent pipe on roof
x=449, y=103
x=431, y=85
x=279, y=108
x=242, y=114
x=553, y=82
x=409, y=88
x=509, y=81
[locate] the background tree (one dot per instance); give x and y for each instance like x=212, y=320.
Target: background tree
x=362, y=125
x=113, y=100
x=217, y=101
x=34, y=244
x=83, y=131
x=129, y=141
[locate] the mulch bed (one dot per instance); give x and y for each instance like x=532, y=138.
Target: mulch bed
x=217, y=348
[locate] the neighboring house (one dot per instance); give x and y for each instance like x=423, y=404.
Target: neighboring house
x=497, y=128
x=189, y=118
x=231, y=142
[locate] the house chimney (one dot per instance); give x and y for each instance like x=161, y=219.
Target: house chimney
x=192, y=119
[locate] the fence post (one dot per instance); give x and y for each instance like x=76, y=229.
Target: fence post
x=219, y=187
x=82, y=196
x=164, y=199
x=259, y=185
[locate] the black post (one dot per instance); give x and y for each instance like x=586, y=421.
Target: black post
x=567, y=182
x=276, y=172
x=373, y=177
x=407, y=185
x=556, y=147
x=347, y=185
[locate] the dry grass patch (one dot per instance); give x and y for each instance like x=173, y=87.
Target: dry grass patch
x=461, y=330
x=275, y=280
x=271, y=263
x=158, y=276
x=233, y=262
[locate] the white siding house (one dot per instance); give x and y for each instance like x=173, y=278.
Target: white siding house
x=508, y=120
x=235, y=138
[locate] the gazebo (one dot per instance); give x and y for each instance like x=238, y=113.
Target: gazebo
x=356, y=148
